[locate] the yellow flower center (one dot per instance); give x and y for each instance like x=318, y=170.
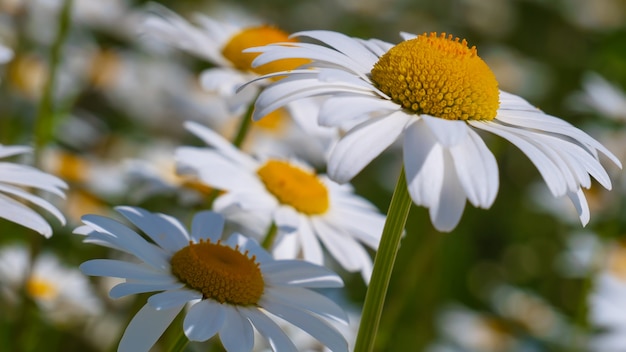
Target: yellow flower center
x=40, y=288
x=274, y=121
x=258, y=36
x=295, y=187
x=220, y=272
x=438, y=76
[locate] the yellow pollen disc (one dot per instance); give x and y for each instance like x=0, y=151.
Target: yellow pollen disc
x=258, y=36
x=295, y=187
x=41, y=289
x=438, y=76
x=220, y=272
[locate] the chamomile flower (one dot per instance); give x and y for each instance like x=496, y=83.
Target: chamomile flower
x=230, y=286
x=62, y=293
x=433, y=92
x=14, y=178
x=307, y=208
x=221, y=44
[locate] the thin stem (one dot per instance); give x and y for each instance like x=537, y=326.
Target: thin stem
x=383, y=265
x=45, y=114
x=244, y=126
x=180, y=343
x=270, y=236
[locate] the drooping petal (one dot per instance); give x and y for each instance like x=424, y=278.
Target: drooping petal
x=19, y=213
x=449, y=209
x=423, y=162
x=146, y=327
x=307, y=299
x=203, y=320
x=364, y=143
x=580, y=203
x=299, y=273
x=236, y=334
x=278, y=340
x=131, y=288
x=314, y=326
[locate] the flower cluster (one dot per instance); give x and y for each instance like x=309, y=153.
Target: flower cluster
x=220, y=181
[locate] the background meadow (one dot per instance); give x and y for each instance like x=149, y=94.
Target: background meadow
x=521, y=276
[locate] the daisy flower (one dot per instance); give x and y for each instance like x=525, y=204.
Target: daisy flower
x=230, y=286
x=434, y=93
x=62, y=293
x=14, y=178
x=222, y=44
x=307, y=208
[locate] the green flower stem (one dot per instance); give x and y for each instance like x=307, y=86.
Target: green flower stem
x=180, y=343
x=268, y=241
x=383, y=265
x=244, y=126
x=45, y=114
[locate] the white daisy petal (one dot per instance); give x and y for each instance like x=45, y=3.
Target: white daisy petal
x=337, y=110
x=146, y=327
x=300, y=273
x=448, y=133
x=127, y=239
x=347, y=251
x=165, y=231
x=173, y=298
x=423, y=165
x=277, y=339
x=314, y=326
x=251, y=246
x=122, y=269
x=215, y=140
x=18, y=213
x=355, y=150
x=26, y=176
x=286, y=218
x=18, y=192
x=207, y=225
x=551, y=174
x=309, y=300
x=366, y=227
x=11, y=150
x=477, y=170
x=344, y=44
x=196, y=325
x=236, y=334
x=311, y=249
x=580, y=203
x=128, y=288
x=448, y=211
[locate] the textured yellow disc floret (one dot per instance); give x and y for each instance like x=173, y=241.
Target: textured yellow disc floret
x=220, y=272
x=258, y=36
x=41, y=289
x=295, y=187
x=438, y=76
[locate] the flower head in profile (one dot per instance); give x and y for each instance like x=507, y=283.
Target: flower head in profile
x=230, y=286
x=14, y=181
x=307, y=208
x=434, y=93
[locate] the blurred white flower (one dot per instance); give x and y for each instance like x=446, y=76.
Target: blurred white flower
x=63, y=294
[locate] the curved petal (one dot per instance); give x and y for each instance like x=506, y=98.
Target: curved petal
x=146, y=327
x=277, y=339
x=203, y=320
x=236, y=334
x=348, y=252
x=19, y=213
x=306, y=299
x=299, y=273
x=477, y=170
x=423, y=162
x=311, y=324
x=580, y=203
x=123, y=269
x=364, y=143
x=132, y=288
x=164, y=230
x=173, y=298
x=448, y=211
